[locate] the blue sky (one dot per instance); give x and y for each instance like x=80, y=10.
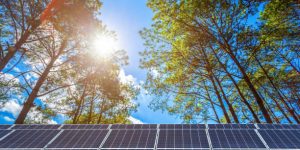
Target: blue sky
x=126, y=18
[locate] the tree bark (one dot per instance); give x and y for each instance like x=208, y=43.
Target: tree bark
x=17, y=46
x=29, y=102
x=238, y=89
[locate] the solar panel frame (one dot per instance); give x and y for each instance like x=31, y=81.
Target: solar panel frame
x=4, y=126
x=134, y=126
x=279, y=126
x=3, y=133
x=231, y=126
x=237, y=138
x=28, y=138
x=181, y=126
x=79, y=139
x=130, y=139
x=35, y=127
x=85, y=126
x=281, y=139
x=182, y=139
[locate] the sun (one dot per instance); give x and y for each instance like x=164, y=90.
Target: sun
x=104, y=45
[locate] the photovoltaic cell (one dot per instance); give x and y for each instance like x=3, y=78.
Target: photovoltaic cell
x=36, y=126
x=235, y=139
x=4, y=126
x=134, y=126
x=85, y=126
x=281, y=138
x=79, y=139
x=130, y=139
x=231, y=126
x=4, y=132
x=278, y=126
x=182, y=139
x=181, y=126
x=28, y=138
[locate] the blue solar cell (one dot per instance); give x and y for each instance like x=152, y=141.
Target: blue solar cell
x=231, y=126
x=278, y=126
x=235, y=139
x=182, y=139
x=181, y=126
x=35, y=126
x=4, y=132
x=85, y=126
x=134, y=126
x=281, y=138
x=4, y=126
x=28, y=138
x=79, y=139
x=130, y=139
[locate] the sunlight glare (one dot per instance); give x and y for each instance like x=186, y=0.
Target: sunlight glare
x=104, y=45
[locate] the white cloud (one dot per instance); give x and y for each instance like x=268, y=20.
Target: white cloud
x=12, y=107
x=135, y=121
x=51, y=122
x=126, y=79
x=6, y=118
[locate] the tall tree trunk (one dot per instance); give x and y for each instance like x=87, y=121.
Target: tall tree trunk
x=238, y=89
x=232, y=111
x=258, y=99
x=81, y=101
x=220, y=100
x=212, y=104
x=291, y=111
x=18, y=45
x=29, y=102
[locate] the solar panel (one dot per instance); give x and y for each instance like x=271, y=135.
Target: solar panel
x=235, y=139
x=4, y=126
x=4, y=132
x=231, y=126
x=35, y=126
x=79, y=139
x=278, y=126
x=134, y=126
x=281, y=138
x=182, y=139
x=130, y=139
x=28, y=138
x=181, y=126
x=85, y=126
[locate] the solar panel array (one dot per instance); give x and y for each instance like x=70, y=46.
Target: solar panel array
x=150, y=136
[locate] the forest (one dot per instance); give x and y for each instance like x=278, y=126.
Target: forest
x=219, y=61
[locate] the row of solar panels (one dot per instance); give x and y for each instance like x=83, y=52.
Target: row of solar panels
x=74, y=137
x=153, y=126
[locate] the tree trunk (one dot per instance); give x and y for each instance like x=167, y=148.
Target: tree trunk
x=81, y=101
x=18, y=45
x=232, y=111
x=291, y=111
x=212, y=104
x=238, y=89
x=29, y=102
x=258, y=99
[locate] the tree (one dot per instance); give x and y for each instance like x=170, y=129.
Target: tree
x=211, y=47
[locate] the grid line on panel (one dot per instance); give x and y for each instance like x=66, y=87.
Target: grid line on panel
x=196, y=139
x=208, y=138
x=54, y=138
x=281, y=139
x=28, y=138
x=105, y=138
x=79, y=139
x=7, y=134
x=262, y=139
x=224, y=138
x=156, y=137
x=130, y=139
